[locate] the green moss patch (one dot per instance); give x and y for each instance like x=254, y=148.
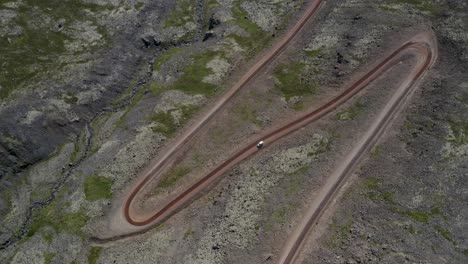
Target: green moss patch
x=459, y=135
x=372, y=183
x=189, y=233
x=48, y=257
x=445, y=233
x=290, y=80
x=164, y=57
x=166, y=123
x=97, y=187
x=94, y=255
x=191, y=80
x=257, y=39
x=421, y=216
x=313, y=53
x=54, y=215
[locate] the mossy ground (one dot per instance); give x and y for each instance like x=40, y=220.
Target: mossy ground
x=54, y=215
x=164, y=57
x=459, y=135
x=48, y=257
x=191, y=79
x=257, y=39
x=97, y=187
x=166, y=122
x=36, y=51
x=421, y=216
x=94, y=255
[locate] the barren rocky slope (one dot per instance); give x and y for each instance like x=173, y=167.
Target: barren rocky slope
x=92, y=90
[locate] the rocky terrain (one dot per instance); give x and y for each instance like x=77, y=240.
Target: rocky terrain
x=91, y=91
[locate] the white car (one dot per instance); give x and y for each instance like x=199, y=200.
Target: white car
x=260, y=144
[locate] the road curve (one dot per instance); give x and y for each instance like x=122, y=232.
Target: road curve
x=166, y=160
x=420, y=45
x=424, y=46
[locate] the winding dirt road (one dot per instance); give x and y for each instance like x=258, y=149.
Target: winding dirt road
x=423, y=47
x=155, y=170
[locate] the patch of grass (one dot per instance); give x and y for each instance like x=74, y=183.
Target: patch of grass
x=187, y=112
x=257, y=38
x=182, y=14
x=53, y=215
x=375, y=151
x=459, y=133
x=352, y=112
x=97, y=187
x=48, y=257
x=155, y=88
x=167, y=125
x=125, y=94
x=420, y=216
x=445, y=233
x=191, y=79
x=290, y=80
x=94, y=255
x=313, y=53
x=171, y=177
x=48, y=236
x=372, y=185
x=164, y=57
